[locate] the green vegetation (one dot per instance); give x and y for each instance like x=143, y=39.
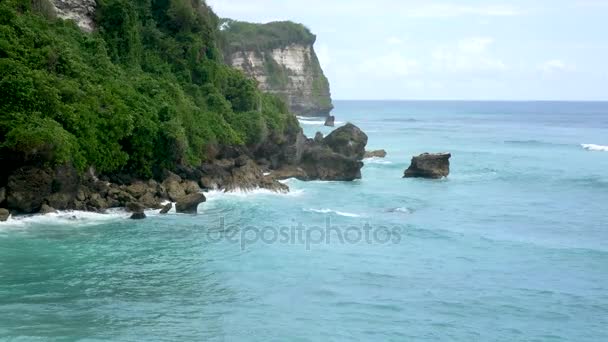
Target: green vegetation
x=239, y=35
x=148, y=89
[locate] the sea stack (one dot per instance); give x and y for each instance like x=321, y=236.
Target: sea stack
x=330, y=121
x=429, y=165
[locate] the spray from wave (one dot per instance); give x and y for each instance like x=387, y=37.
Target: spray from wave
x=330, y=211
x=594, y=147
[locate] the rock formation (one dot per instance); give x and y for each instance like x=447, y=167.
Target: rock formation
x=375, y=154
x=427, y=165
x=81, y=12
x=4, y=214
x=281, y=57
x=330, y=121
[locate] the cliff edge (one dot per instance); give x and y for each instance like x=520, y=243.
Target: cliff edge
x=281, y=57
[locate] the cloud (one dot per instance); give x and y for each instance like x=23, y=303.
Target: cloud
x=469, y=55
x=394, y=40
x=553, y=66
x=453, y=10
x=390, y=65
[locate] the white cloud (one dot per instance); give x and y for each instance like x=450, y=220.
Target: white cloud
x=470, y=55
x=391, y=65
x=453, y=10
x=394, y=40
x=554, y=66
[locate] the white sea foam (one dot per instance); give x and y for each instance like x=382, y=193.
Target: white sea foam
x=376, y=160
x=315, y=121
x=217, y=194
x=594, y=147
x=330, y=211
x=68, y=217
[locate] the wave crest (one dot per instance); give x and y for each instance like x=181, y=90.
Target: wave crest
x=594, y=147
x=330, y=211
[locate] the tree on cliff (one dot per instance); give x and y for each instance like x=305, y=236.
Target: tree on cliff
x=147, y=90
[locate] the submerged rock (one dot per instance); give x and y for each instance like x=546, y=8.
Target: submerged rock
x=330, y=121
x=138, y=216
x=429, y=165
x=189, y=203
x=4, y=214
x=375, y=154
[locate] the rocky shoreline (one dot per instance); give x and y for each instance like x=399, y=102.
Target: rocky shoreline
x=32, y=189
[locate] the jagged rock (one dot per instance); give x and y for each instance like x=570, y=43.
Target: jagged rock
x=26, y=189
x=138, y=189
x=324, y=164
x=189, y=203
x=289, y=171
x=319, y=137
x=175, y=189
x=135, y=207
x=166, y=208
x=330, y=121
x=375, y=154
x=46, y=209
x=348, y=141
x=4, y=214
x=429, y=165
x=81, y=11
x=138, y=216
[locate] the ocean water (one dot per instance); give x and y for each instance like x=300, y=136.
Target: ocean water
x=513, y=246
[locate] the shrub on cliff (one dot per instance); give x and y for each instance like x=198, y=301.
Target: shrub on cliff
x=147, y=89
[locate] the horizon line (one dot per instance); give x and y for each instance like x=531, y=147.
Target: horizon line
x=465, y=100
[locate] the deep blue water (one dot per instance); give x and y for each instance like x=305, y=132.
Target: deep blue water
x=513, y=246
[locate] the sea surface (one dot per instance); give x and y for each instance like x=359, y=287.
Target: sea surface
x=512, y=246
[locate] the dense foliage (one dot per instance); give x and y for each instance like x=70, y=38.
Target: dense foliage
x=148, y=89
x=239, y=35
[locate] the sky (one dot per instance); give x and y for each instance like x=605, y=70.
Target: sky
x=442, y=49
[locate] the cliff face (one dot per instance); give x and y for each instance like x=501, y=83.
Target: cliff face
x=281, y=57
x=81, y=11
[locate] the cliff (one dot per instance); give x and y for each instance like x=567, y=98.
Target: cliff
x=281, y=57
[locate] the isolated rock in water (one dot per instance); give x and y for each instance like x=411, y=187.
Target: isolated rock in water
x=330, y=121
x=166, y=208
x=429, y=165
x=46, y=209
x=189, y=203
x=375, y=154
x=138, y=216
x=4, y=214
x=348, y=141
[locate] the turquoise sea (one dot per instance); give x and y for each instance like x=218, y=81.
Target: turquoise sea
x=513, y=246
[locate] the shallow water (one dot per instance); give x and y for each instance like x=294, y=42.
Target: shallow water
x=512, y=246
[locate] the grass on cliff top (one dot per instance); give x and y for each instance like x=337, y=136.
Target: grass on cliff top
x=147, y=90
x=238, y=35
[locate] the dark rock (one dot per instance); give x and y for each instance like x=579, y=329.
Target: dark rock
x=319, y=137
x=97, y=202
x=189, y=203
x=138, y=216
x=175, y=189
x=46, y=209
x=149, y=200
x=375, y=154
x=427, y=165
x=289, y=171
x=324, y=164
x=4, y=214
x=348, y=141
x=27, y=187
x=166, y=208
x=330, y=121
x=135, y=207
x=138, y=189
x=2, y=195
